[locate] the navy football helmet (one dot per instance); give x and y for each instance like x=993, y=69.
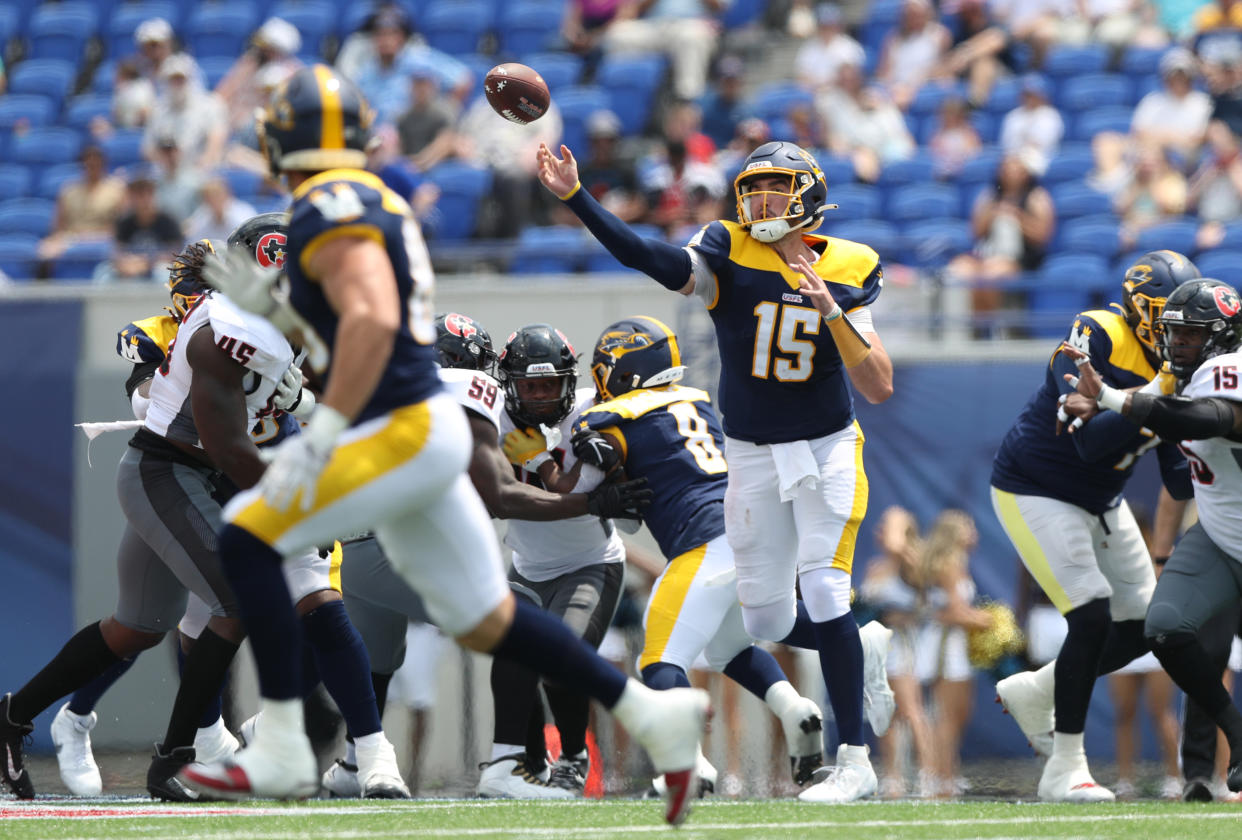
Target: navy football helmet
x=317, y=120
x=1148, y=283
x=185, y=277
x=804, y=199
x=638, y=352
x=461, y=342
x=264, y=238
x=537, y=351
x=1201, y=319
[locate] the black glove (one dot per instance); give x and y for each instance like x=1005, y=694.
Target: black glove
x=593, y=448
x=620, y=499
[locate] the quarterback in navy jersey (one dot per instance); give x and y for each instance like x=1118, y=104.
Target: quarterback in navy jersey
x=385, y=450
x=1059, y=499
x=793, y=324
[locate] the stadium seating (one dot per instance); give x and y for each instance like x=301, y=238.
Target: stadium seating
x=772, y=102
x=50, y=77
x=916, y=169
x=18, y=254
x=1094, y=90
x=1141, y=61
x=79, y=260
x=1177, y=235
x=1064, y=62
x=119, y=29
x=461, y=189
x=1004, y=96
x=10, y=23
x=1096, y=234
x=931, y=96
x=1063, y=284
x=922, y=201
x=123, y=147
x=220, y=29
x=54, y=177
x=60, y=30
x=980, y=169
x=455, y=26
x=524, y=27
x=1074, y=198
x=930, y=243
x=880, y=235
x=80, y=110
x=559, y=70
x=857, y=201
x=837, y=170
x=45, y=146
x=28, y=108
x=630, y=82
x=315, y=20
x=577, y=104
x=1222, y=265
x=547, y=250
x=1071, y=163
x=15, y=181
x=1091, y=122
x=31, y=216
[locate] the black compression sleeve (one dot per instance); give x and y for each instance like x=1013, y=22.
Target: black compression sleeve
x=140, y=374
x=1176, y=418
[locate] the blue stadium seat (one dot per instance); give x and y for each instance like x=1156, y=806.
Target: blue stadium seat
x=49, y=77
x=18, y=254
x=1004, y=96
x=214, y=68
x=54, y=177
x=559, y=70
x=930, y=243
x=15, y=181
x=45, y=146
x=1144, y=85
x=878, y=234
x=455, y=26
x=31, y=216
x=1062, y=62
x=1096, y=234
x=631, y=83
x=105, y=77
x=980, y=169
x=1142, y=61
x=987, y=124
x=461, y=189
x=1072, y=199
x=1222, y=265
x=882, y=15
x=1233, y=237
x=1090, y=123
x=30, y=108
x=857, y=201
x=1095, y=90
x=220, y=29
x=80, y=110
x=773, y=101
x=837, y=170
x=970, y=193
x=10, y=23
x=123, y=147
x=314, y=19
x=932, y=95
x=119, y=30
x=242, y=181
x=1071, y=163
x=547, y=250
x=79, y=260
x=1177, y=235
x=1064, y=286
x=916, y=169
x=528, y=26
x=577, y=104
x=61, y=30
x=923, y=201
x=742, y=13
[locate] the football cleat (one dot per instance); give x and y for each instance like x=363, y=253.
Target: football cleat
x=571, y=773
x=1069, y=780
x=1197, y=790
x=266, y=769
x=850, y=780
x=245, y=732
x=1032, y=709
x=669, y=725
x=1233, y=778
x=707, y=781
x=214, y=743
x=340, y=781
x=12, y=736
x=803, y=724
x=71, y=734
x=511, y=777
x=162, y=781
x=378, y=774
x=878, y=701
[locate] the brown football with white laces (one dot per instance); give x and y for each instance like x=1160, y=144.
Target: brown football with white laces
x=516, y=92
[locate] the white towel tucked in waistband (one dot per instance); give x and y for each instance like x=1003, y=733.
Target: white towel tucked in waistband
x=796, y=468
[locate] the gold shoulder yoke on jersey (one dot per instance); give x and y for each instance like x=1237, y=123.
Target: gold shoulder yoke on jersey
x=161, y=329
x=637, y=403
x=844, y=262
x=1127, y=353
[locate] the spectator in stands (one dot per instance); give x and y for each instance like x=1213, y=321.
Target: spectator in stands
x=1013, y=224
x=156, y=44
x=218, y=213
x=188, y=112
x=724, y=106
x=583, y=28
x=1034, y=128
x=1215, y=189
x=399, y=175
x=705, y=192
x=383, y=58
x=864, y=125
x=145, y=237
x=1113, y=171
x=1222, y=68
x=426, y=128
x=955, y=139
x=86, y=207
x=1157, y=193
x=912, y=51
x=133, y=95
x=608, y=174
x=178, y=185
x=668, y=182
x=269, y=60
x=1041, y=23
x=685, y=30
x=1221, y=14
x=750, y=135
x=981, y=51
x=1175, y=117
x=1119, y=24
x=819, y=59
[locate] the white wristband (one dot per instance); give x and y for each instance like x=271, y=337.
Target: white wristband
x=533, y=463
x=325, y=426
x=306, y=404
x=1111, y=398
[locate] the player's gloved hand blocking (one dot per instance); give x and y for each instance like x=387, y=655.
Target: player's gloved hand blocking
x=527, y=448
x=593, y=448
x=1075, y=409
x=620, y=499
x=294, y=466
x=291, y=397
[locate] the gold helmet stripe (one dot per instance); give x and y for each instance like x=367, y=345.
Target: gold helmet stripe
x=332, y=116
x=661, y=327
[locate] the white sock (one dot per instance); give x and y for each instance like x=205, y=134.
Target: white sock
x=282, y=720
x=1046, y=677
x=209, y=731
x=501, y=750
x=780, y=697
x=1067, y=745
x=351, y=753
x=631, y=703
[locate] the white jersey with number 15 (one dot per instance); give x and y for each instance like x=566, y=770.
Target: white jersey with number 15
x=1216, y=464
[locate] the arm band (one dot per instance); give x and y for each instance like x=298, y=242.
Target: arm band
x=667, y=264
x=1174, y=418
x=1111, y=398
x=850, y=343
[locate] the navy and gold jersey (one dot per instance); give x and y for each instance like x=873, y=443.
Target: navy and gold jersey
x=351, y=202
x=1090, y=473
x=781, y=376
x=146, y=341
x=671, y=437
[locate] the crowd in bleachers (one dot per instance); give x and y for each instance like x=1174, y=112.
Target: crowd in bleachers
x=1035, y=144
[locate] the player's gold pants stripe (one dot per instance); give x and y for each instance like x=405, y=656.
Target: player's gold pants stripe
x=1029, y=549
x=666, y=603
x=353, y=465
x=844, y=556
x=334, y=566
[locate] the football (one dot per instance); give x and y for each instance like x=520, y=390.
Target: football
x=516, y=92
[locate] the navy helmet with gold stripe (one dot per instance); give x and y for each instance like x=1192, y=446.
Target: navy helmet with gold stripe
x=317, y=120
x=1148, y=283
x=798, y=203
x=636, y=352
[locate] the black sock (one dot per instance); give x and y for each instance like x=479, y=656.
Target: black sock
x=1078, y=663
x=213, y=710
x=803, y=633
x=82, y=659
x=85, y=699
x=571, y=712
x=664, y=675
x=205, y=667
x=536, y=743
x=514, y=697
x=841, y=658
x=1126, y=643
x=379, y=684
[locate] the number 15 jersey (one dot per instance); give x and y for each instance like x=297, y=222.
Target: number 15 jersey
x=1216, y=464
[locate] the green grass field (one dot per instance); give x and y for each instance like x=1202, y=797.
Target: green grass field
x=612, y=819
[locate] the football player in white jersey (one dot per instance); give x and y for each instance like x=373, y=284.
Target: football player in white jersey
x=1201, y=334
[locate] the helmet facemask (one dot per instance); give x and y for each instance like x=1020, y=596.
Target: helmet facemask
x=546, y=409
x=1143, y=312
x=185, y=282
x=756, y=209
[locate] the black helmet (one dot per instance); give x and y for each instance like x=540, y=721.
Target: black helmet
x=807, y=192
x=538, y=351
x=185, y=276
x=461, y=342
x=1148, y=282
x=1201, y=319
x=264, y=238
x=317, y=120
x=638, y=352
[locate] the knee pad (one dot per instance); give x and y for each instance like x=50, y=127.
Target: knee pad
x=826, y=593
x=1163, y=624
x=770, y=622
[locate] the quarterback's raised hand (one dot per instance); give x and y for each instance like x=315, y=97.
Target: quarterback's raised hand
x=294, y=466
x=619, y=499
x=559, y=175
x=593, y=448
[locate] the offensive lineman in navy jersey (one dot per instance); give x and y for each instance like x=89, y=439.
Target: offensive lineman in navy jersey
x=792, y=323
x=1059, y=500
x=385, y=450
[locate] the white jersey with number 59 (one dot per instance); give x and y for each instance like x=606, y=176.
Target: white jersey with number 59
x=475, y=391
x=1216, y=464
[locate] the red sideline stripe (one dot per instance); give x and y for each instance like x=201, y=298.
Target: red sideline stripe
x=44, y=812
